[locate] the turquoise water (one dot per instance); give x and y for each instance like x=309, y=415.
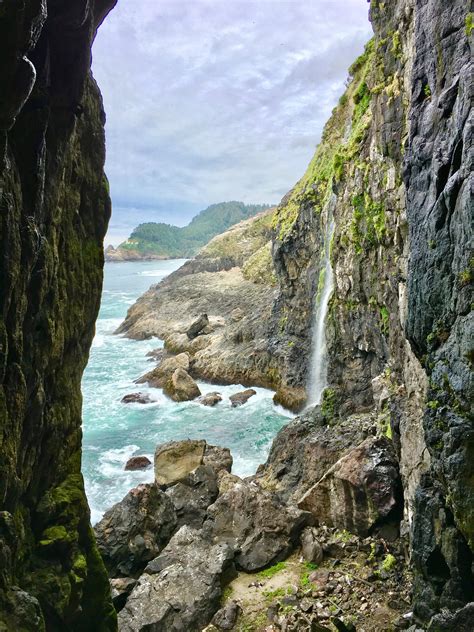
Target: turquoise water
x=114, y=431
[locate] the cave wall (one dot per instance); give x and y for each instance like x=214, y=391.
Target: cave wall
x=54, y=210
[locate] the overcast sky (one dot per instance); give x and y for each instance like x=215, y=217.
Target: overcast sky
x=215, y=100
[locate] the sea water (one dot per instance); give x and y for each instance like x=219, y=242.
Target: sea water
x=113, y=432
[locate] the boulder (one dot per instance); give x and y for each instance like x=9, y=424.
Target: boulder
x=310, y=546
x=192, y=496
x=197, y=326
x=160, y=375
x=226, y=617
x=210, y=399
x=218, y=458
x=181, y=589
x=359, y=490
x=181, y=387
x=176, y=459
x=135, y=530
x=137, y=463
x=238, y=399
x=261, y=529
x=136, y=398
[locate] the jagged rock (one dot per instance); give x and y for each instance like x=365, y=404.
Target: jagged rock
x=137, y=463
x=460, y=621
x=158, y=355
x=359, y=490
x=181, y=387
x=161, y=374
x=238, y=399
x=120, y=588
x=305, y=449
x=192, y=495
x=226, y=617
x=210, y=399
x=197, y=326
x=181, y=588
x=136, y=398
x=176, y=459
x=262, y=530
x=310, y=546
x=135, y=530
x=218, y=458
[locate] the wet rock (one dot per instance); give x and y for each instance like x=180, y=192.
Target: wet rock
x=161, y=374
x=461, y=621
x=158, y=355
x=218, y=458
x=176, y=459
x=181, y=589
x=310, y=546
x=192, y=495
x=135, y=530
x=120, y=589
x=210, y=399
x=197, y=326
x=226, y=617
x=136, y=398
x=359, y=490
x=181, y=387
x=241, y=398
x=262, y=530
x=137, y=463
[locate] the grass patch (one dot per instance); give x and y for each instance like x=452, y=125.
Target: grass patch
x=272, y=570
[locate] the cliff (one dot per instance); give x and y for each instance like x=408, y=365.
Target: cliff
x=163, y=241
x=393, y=173
x=54, y=209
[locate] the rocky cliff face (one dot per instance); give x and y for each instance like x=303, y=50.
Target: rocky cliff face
x=54, y=209
x=392, y=171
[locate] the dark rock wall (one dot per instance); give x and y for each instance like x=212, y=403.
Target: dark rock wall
x=439, y=183
x=393, y=170
x=54, y=209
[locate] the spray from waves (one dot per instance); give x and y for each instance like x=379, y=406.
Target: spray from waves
x=318, y=367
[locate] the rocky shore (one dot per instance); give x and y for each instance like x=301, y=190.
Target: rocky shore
x=232, y=282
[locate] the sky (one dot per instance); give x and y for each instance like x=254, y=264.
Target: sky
x=216, y=100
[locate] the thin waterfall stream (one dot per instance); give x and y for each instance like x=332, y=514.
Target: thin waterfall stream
x=318, y=361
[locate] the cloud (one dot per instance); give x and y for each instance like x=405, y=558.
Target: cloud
x=214, y=100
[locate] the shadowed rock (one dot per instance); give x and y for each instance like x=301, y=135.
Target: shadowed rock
x=137, y=463
x=136, y=398
x=135, y=530
x=197, y=326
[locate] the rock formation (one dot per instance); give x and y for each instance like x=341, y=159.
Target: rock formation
x=54, y=209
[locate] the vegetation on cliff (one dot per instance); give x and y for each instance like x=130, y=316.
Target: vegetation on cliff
x=167, y=241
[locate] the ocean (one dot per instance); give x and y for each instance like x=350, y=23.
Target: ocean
x=113, y=431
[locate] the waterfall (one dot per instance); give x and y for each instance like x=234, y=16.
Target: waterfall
x=318, y=361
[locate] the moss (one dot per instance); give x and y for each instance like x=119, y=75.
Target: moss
x=259, y=267
x=427, y=91
x=385, y=318
x=465, y=277
x=469, y=23
x=367, y=228
x=272, y=570
x=388, y=431
x=396, y=49
x=328, y=402
x=389, y=563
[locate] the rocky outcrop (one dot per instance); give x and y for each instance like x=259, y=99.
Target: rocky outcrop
x=135, y=530
x=54, y=209
x=176, y=459
x=181, y=387
x=162, y=373
x=358, y=491
x=232, y=281
x=181, y=589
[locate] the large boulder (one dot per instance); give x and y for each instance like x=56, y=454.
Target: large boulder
x=306, y=448
x=176, y=459
x=161, y=374
x=261, y=529
x=135, y=530
x=359, y=490
x=181, y=387
x=181, y=589
x=238, y=399
x=198, y=325
x=192, y=495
